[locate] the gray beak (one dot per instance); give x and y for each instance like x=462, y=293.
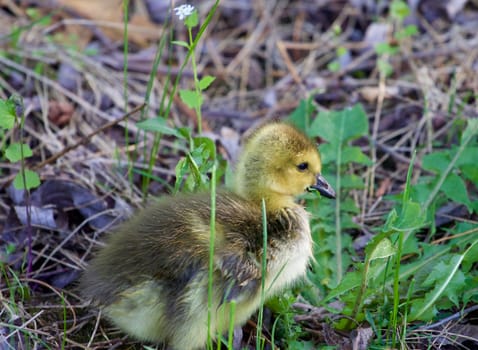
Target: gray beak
x=323, y=187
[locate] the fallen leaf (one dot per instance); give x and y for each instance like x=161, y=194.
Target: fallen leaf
x=111, y=13
x=60, y=113
x=371, y=93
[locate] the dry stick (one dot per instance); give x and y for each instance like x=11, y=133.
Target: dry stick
x=455, y=316
x=285, y=56
x=367, y=196
x=95, y=330
x=88, y=137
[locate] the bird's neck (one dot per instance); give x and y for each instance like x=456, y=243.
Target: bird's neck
x=274, y=202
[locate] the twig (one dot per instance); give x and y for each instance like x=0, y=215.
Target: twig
x=455, y=316
x=87, y=137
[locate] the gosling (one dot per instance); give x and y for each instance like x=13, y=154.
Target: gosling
x=151, y=278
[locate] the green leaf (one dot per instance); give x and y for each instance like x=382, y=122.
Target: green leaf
x=333, y=66
x=192, y=20
x=399, y=9
x=32, y=180
x=355, y=155
x=208, y=146
x=7, y=114
x=14, y=154
x=338, y=127
x=441, y=278
x=328, y=153
x=471, y=258
x=470, y=172
x=191, y=98
x=406, y=32
x=180, y=43
x=351, y=181
x=468, y=156
x=341, y=51
x=421, y=191
x=455, y=188
x=411, y=217
x=181, y=169
x=33, y=13
x=160, y=125
x=205, y=82
x=301, y=116
x=436, y=162
x=349, y=282
x=385, y=48
x=420, y=310
x=185, y=132
x=471, y=130
x=383, y=249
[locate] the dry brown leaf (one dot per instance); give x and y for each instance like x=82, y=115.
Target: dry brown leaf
x=384, y=187
x=371, y=93
x=109, y=13
x=60, y=113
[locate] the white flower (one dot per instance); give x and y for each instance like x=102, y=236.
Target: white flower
x=184, y=11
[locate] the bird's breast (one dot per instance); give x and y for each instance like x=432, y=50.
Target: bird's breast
x=288, y=259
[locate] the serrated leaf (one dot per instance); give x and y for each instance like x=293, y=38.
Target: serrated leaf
x=159, y=125
x=14, y=154
x=471, y=257
x=7, y=114
x=456, y=288
x=205, y=82
x=420, y=311
x=441, y=277
x=32, y=180
x=191, y=98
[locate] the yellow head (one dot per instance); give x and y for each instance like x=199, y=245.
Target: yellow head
x=279, y=162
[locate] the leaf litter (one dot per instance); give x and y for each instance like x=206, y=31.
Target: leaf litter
x=65, y=58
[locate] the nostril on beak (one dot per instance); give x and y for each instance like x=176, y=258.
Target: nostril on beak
x=323, y=187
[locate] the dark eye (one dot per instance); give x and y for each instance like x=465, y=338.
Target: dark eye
x=303, y=166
